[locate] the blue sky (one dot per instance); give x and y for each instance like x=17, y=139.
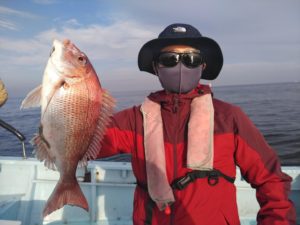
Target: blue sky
x=260, y=39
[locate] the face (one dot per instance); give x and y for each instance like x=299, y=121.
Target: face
x=179, y=68
x=181, y=49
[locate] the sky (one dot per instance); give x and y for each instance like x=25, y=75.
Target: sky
x=260, y=39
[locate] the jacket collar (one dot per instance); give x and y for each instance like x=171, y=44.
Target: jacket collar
x=164, y=97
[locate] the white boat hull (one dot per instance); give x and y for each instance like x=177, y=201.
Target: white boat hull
x=26, y=185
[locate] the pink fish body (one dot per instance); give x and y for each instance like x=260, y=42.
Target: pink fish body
x=75, y=111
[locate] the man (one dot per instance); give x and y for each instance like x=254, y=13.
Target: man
x=185, y=145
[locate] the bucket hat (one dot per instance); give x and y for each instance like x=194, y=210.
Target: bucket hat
x=183, y=34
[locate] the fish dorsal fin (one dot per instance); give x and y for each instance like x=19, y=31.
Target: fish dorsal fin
x=33, y=99
x=106, y=111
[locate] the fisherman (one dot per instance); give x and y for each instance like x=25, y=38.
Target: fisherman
x=186, y=144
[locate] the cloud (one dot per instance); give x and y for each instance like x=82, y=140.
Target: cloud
x=229, y=22
x=72, y=22
x=13, y=12
x=18, y=53
x=259, y=39
x=117, y=43
x=4, y=24
x=112, y=50
x=45, y=2
x=9, y=16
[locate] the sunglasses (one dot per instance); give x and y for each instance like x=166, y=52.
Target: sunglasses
x=189, y=59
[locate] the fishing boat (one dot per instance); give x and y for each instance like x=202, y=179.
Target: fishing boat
x=108, y=186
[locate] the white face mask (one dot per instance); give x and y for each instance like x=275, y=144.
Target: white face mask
x=179, y=78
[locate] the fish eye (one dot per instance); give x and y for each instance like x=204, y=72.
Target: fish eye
x=52, y=50
x=82, y=60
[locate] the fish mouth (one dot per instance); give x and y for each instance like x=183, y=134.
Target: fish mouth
x=66, y=58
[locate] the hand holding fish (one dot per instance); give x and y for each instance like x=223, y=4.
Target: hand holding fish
x=3, y=94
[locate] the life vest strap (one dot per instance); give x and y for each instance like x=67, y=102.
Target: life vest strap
x=212, y=178
x=182, y=182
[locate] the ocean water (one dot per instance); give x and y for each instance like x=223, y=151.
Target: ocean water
x=274, y=108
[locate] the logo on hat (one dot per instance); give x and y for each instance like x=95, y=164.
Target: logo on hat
x=179, y=29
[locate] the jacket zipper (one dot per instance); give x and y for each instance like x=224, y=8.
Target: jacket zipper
x=175, y=111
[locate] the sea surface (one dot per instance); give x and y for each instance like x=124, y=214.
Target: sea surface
x=274, y=108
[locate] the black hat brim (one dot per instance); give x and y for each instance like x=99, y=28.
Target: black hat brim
x=211, y=50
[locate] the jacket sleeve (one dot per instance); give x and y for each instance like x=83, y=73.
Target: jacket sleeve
x=119, y=136
x=260, y=167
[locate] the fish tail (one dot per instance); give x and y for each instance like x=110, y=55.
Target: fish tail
x=65, y=193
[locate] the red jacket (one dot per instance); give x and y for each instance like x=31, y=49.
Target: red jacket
x=237, y=142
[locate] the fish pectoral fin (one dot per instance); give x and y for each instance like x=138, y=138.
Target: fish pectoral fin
x=106, y=111
x=42, y=151
x=33, y=99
